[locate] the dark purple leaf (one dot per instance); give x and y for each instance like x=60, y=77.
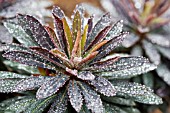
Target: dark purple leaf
x=110, y=46
x=34, y=28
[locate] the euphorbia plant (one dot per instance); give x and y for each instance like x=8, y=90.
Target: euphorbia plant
x=149, y=25
x=75, y=67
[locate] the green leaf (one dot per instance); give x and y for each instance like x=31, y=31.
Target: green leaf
x=19, y=34
x=21, y=68
x=39, y=105
x=76, y=25
x=20, y=105
x=164, y=72
x=5, y=74
x=68, y=35
x=151, y=52
x=148, y=79
x=83, y=40
x=113, y=109
x=119, y=100
x=60, y=103
x=84, y=109
x=4, y=104
x=130, y=110
x=136, y=92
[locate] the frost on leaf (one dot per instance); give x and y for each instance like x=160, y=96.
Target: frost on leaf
x=115, y=30
x=34, y=29
x=21, y=105
x=60, y=103
x=110, y=46
x=8, y=85
x=92, y=99
x=39, y=105
x=51, y=86
x=85, y=75
x=75, y=96
x=30, y=83
x=136, y=92
x=102, y=23
x=19, y=34
x=5, y=74
x=103, y=86
x=113, y=109
x=125, y=67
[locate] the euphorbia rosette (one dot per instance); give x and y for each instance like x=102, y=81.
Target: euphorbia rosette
x=74, y=60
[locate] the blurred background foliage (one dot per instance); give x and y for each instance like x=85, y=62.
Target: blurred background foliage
x=41, y=9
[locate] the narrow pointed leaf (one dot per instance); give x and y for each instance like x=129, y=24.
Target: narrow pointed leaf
x=103, y=86
x=20, y=68
x=51, y=86
x=20, y=34
x=136, y=92
x=102, y=23
x=80, y=9
x=115, y=30
x=75, y=96
x=58, y=16
x=5, y=74
x=46, y=53
x=34, y=29
x=28, y=59
x=38, y=55
x=4, y=104
x=125, y=67
x=113, y=109
x=131, y=110
x=90, y=25
x=92, y=99
x=76, y=25
x=83, y=40
x=39, y=105
x=30, y=83
x=110, y=46
x=8, y=85
x=60, y=103
x=99, y=37
x=58, y=12
x=21, y=105
x=68, y=34
x=53, y=36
